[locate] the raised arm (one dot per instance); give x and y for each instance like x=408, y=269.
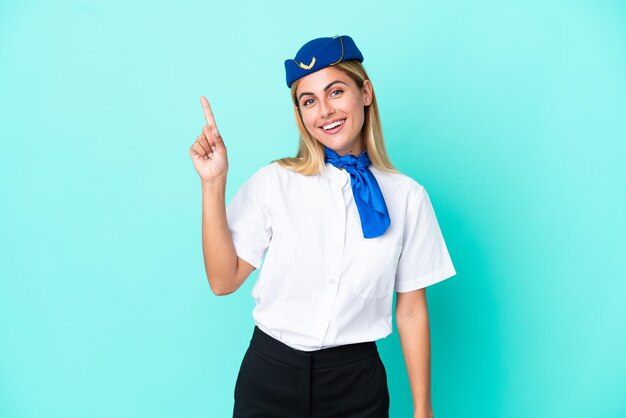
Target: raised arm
x=224, y=269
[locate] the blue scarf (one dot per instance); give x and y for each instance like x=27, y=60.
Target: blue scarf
x=367, y=195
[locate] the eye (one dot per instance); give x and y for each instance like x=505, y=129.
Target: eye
x=306, y=102
x=335, y=91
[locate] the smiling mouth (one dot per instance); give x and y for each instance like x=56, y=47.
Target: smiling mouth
x=333, y=127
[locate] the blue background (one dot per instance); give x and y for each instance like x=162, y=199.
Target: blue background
x=511, y=114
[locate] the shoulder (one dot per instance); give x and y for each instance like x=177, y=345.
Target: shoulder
x=274, y=169
x=269, y=177
x=398, y=182
x=264, y=173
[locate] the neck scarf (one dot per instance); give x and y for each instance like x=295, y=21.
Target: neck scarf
x=367, y=195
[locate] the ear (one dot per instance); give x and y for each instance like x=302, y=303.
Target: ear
x=367, y=92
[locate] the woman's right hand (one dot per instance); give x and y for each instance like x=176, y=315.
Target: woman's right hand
x=208, y=153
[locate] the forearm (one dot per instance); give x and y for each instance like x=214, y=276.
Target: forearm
x=414, y=333
x=220, y=258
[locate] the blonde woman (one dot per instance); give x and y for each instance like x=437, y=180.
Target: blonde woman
x=338, y=231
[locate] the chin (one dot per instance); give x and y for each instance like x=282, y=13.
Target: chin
x=334, y=143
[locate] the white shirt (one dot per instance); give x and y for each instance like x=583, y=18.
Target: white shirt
x=322, y=283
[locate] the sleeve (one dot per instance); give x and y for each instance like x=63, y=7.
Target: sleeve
x=424, y=259
x=249, y=219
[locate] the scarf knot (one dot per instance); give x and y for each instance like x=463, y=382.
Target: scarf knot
x=369, y=199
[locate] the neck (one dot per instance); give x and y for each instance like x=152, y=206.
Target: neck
x=355, y=150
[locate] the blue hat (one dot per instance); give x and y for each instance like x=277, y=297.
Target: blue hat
x=320, y=53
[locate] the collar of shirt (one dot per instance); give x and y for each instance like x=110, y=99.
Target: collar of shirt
x=338, y=176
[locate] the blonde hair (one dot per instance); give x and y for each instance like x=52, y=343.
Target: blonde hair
x=310, y=157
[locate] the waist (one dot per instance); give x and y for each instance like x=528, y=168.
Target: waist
x=316, y=359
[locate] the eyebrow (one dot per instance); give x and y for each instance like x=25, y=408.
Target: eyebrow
x=325, y=88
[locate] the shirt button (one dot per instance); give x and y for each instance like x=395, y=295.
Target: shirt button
x=332, y=281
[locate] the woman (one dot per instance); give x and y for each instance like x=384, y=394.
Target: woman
x=338, y=230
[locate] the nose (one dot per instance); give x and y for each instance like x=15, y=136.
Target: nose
x=326, y=108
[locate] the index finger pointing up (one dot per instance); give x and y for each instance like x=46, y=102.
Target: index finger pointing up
x=208, y=113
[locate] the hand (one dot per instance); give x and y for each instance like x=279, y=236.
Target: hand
x=208, y=153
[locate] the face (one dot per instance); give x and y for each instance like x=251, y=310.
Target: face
x=330, y=98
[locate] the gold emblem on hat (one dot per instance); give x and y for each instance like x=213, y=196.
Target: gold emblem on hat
x=304, y=66
x=308, y=67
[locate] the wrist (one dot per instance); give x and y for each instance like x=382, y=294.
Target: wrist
x=218, y=182
x=423, y=412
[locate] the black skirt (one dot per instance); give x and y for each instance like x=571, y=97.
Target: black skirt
x=276, y=381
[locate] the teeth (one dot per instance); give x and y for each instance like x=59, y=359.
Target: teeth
x=332, y=125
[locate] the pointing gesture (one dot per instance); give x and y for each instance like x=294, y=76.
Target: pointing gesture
x=208, y=153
